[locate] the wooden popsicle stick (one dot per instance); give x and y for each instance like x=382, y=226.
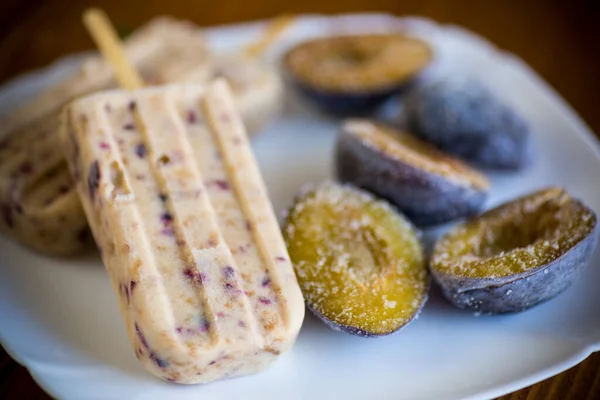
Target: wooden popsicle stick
x=274, y=30
x=103, y=33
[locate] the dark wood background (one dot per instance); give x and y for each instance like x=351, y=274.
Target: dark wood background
x=560, y=39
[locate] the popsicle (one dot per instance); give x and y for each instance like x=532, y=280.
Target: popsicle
x=187, y=233
x=38, y=205
x=257, y=89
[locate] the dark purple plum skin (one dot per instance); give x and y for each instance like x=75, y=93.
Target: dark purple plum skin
x=520, y=292
x=346, y=103
x=426, y=199
x=464, y=118
x=352, y=330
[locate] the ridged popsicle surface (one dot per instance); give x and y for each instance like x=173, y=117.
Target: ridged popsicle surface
x=187, y=233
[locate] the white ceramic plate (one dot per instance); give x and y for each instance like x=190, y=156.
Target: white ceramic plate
x=59, y=318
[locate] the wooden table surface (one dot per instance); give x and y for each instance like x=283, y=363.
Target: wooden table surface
x=560, y=39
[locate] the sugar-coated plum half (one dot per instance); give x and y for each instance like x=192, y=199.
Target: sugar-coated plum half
x=428, y=186
x=355, y=73
x=463, y=117
x=516, y=255
x=360, y=263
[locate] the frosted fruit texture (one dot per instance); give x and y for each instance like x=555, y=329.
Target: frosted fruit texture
x=360, y=263
x=188, y=236
x=521, y=235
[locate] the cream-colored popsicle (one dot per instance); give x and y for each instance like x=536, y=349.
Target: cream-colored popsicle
x=38, y=205
x=176, y=202
x=257, y=89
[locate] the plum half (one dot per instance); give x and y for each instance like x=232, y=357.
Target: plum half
x=517, y=255
x=355, y=73
x=428, y=186
x=360, y=263
x=461, y=116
